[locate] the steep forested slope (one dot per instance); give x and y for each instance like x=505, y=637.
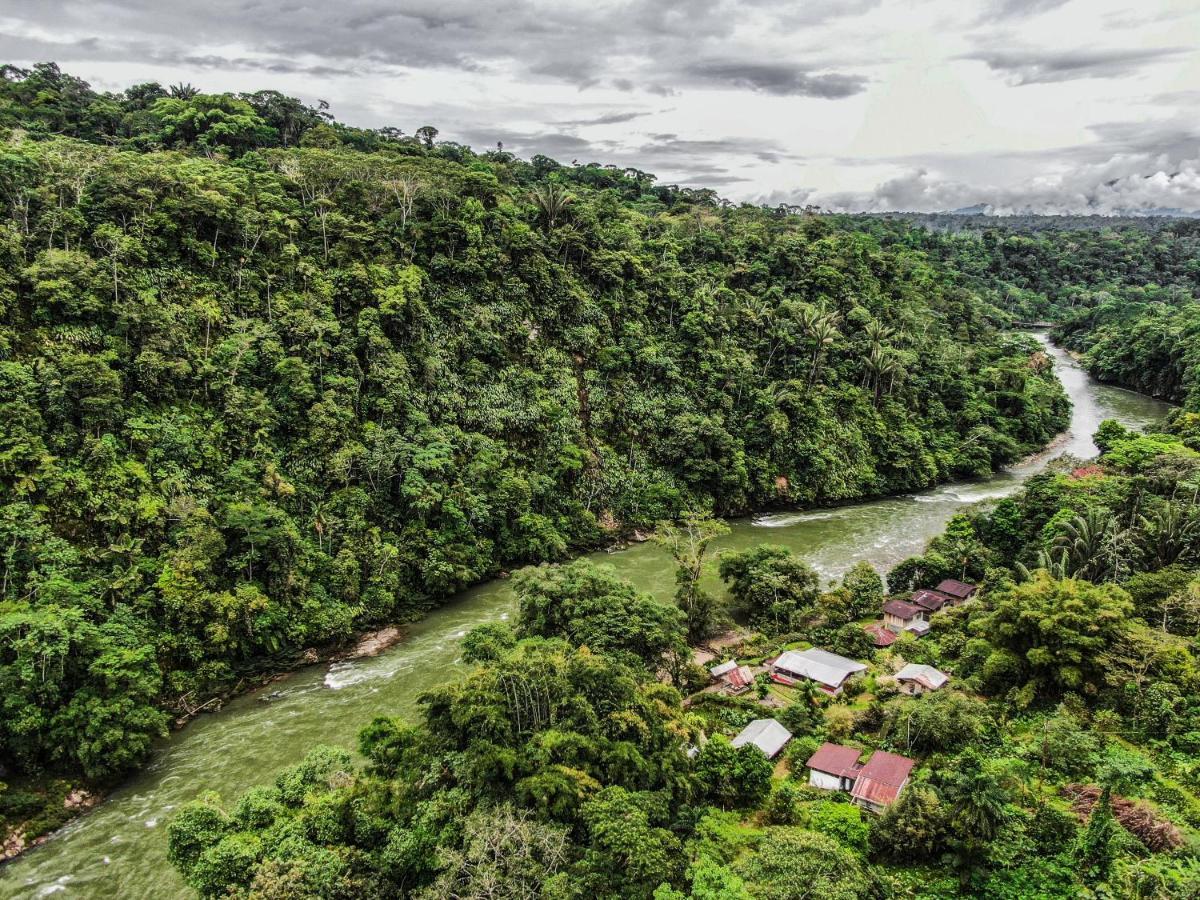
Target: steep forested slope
x=265, y=379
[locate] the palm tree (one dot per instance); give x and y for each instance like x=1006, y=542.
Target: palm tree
x=552, y=200
x=823, y=333
x=1169, y=535
x=1090, y=545
x=881, y=364
x=183, y=91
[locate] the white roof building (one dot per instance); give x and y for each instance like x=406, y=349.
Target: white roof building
x=927, y=676
x=765, y=734
x=820, y=666
x=723, y=669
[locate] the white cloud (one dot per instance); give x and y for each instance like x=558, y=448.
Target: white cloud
x=1054, y=105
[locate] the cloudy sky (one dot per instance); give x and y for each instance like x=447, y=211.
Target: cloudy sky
x=1042, y=105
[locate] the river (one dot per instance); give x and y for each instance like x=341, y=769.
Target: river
x=119, y=848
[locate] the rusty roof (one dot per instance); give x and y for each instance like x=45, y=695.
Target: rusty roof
x=902, y=609
x=958, y=589
x=834, y=759
x=882, y=778
x=884, y=636
x=928, y=599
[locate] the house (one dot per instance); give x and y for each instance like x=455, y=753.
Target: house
x=957, y=591
x=828, y=670
x=833, y=767
x=879, y=782
x=739, y=679
x=765, y=734
x=917, y=679
x=900, y=615
x=881, y=634
x=719, y=671
x=873, y=785
x=735, y=678
x=929, y=600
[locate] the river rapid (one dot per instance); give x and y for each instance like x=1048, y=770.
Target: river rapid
x=119, y=848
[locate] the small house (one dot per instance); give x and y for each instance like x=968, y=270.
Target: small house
x=929, y=600
x=917, y=679
x=723, y=669
x=874, y=785
x=900, y=615
x=833, y=767
x=957, y=591
x=880, y=634
x=878, y=784
x=828, y=670
x=765, y=734
x=739, y=680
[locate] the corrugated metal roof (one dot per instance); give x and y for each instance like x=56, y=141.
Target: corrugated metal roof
x=740, y=677
x=882, y=778
x=723, y=669
x=884, y=636
x=902, y=608
x=929, y=676
x=834, y=759
x=930, y=600
x=765, y=734
x=959, y=589
x=819, y=665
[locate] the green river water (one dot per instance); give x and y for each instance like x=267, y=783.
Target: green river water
x=119, y=848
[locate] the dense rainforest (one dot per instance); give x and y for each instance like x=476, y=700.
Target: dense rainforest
x=268, y=380
x=1062, y=760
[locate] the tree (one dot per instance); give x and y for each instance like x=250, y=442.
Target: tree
x=506, y=853
x=865, y=588
x=628, y=854
x=211, y=122
x=794, y=864
x=771, y=587
x=589, y=606
x=914, y=828
x=731, y=776
x=688, y=542
x=1056, y=631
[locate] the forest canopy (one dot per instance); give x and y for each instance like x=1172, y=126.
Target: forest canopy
x=266, y=379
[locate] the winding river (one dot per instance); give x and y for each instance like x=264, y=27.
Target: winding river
x=119, y=848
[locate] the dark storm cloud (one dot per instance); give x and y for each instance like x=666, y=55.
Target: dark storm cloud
x=1034, y=66
x=775, y=78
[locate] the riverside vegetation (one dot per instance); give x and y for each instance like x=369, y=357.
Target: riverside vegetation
x=269, y=380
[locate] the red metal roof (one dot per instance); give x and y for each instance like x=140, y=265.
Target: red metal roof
x=834, y=759
x=957, y=589
x=902, y=608
x=884, y=636
x=881, y=779
x=740, y=677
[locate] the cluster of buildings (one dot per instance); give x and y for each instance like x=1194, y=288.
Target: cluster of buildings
x=878, y=782
x=913, y=614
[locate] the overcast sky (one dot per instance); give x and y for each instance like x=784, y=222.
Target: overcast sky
x=1048, y=105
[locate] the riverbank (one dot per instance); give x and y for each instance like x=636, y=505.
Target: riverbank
x=119, y=848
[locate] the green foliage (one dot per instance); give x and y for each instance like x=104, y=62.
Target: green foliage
x=733, y=777
x=773, y=589
x=792, y=863
x=590, y=606
x=1049, y=634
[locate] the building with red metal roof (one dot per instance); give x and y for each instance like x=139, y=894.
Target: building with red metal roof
x=880, y=781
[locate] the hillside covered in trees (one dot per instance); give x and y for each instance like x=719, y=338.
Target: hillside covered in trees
x=266, y=379
x=1059, y=761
